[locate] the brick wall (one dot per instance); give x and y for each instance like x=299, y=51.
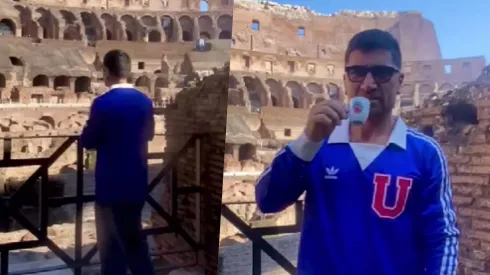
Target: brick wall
x=201, y=109
x=468, y=155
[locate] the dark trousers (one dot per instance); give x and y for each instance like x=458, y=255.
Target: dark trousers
x=120, y=240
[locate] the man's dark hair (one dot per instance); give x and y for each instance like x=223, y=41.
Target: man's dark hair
x=118, y=64
x=375, y=39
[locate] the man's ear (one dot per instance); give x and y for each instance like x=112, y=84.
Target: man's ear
x=402, y=78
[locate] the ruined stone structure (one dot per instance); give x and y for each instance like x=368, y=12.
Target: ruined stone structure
x=468, y=157
x=50, y=71
x=284, y=57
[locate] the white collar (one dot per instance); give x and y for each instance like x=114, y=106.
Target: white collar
x=398, y=135
x=121, y=85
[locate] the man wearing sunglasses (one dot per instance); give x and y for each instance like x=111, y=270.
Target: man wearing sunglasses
x=378, y=195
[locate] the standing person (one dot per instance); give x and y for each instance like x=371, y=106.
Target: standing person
x=378, y=195
x=119, y=128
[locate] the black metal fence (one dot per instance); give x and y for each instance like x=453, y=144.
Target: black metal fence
x=256, y=235
x=10, y=204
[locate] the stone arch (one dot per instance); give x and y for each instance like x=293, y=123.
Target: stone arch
x=149, y=21
x=112, y=26
x=7, y=27
x=187, y=26
x=93, y=27
x=205, y=26
x=82, y=84
x=277, y=97
x=168, y=27
x=256, y=97
x=225, y=22
x=69, y=17
x=246, y=152
x=61, y=81
x=3, y=81
x=131, y=27
x=425, y=90
x=142, y=81
x=40, y=81
x=445, y=87
x=297, y=95
x=406, y=95
x=154, y=36
x=48, y=23
x=315, y=88
x=27, y=25
x=49, y=120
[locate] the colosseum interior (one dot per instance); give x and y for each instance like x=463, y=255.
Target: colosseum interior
x=283, y=58
x=50, y=71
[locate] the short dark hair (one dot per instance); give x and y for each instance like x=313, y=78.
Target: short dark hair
x=375, y=39
x=117, y=64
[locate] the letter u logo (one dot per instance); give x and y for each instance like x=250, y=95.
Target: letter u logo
x=381, y=183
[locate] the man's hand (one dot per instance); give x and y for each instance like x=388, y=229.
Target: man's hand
x=323, y=118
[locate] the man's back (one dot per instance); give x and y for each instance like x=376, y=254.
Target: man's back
x=123, y=119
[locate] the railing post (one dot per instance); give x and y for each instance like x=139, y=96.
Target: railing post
x=5, y=263
x=43, y=203
x=256, y=259
x=175, y=193
x=79, y=211
x=198, y=194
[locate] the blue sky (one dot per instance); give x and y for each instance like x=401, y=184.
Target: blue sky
x=462, y=27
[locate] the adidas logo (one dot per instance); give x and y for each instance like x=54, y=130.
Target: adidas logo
x=331, y=173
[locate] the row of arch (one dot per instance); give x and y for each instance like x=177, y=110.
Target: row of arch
x=91, y=26
x=81, y=84
x=408, y=92
x=272, y=92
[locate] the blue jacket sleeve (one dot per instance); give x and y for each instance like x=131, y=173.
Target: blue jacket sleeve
x=283, y=182
x=440, y=232
x=92, y=132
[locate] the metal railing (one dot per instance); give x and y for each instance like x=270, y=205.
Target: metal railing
x=256, y=235
x=11, y=204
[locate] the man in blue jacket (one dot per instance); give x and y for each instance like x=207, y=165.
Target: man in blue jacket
x=119, y=128
x=378, y=195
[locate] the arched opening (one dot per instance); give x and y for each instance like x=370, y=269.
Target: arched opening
x=225, y=35
x=15, y=61
x=274, y=101
x=154, y=36
x=161, y=82
x=108, y=33
x=246, y=152
x=295, y=102
x=82, y=84
x=7, y=27
x=205, y=35
x=186, y=36
x=142, y=81
x=40, y=81
x=49, y=120
x=129, y=36
x=61, y=81
x=3, y=81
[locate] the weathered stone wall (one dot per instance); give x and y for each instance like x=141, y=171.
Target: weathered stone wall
x=326, y=36
x=201, y=109
x=468, y=156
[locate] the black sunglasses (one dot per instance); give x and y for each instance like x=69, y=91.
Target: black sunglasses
x=380, y=73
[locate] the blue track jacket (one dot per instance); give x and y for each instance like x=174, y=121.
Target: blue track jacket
x=368, y=210
x=119, y=127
